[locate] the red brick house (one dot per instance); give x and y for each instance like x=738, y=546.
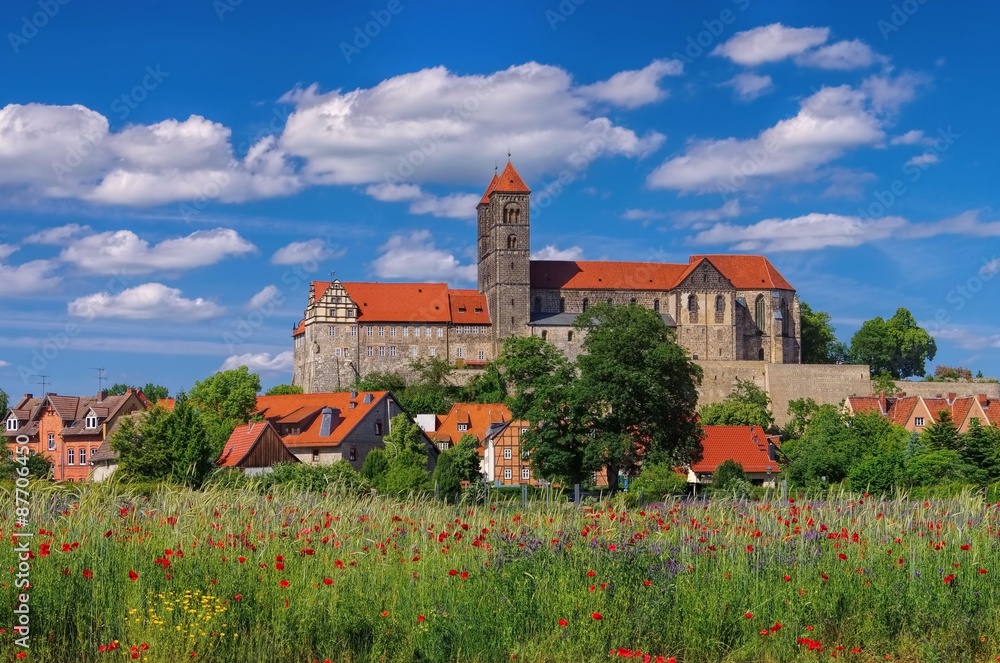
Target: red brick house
x=68, y=430
x=255, y=448
x=914, y=413
x=750, y=446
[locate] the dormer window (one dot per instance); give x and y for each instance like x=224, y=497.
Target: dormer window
x=463, y=427
x=13, y=423
x=91, y=420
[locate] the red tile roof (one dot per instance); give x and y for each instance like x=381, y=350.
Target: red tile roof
x=747, y=445
x=744, y=272
x=240, y=443
x=409, y=302
x=902, y=409
x=960, y=409
x=306, y=409
x=490, y=189
x=865, y=404
x=476, y=416
x=510, y=182
x=468, y=307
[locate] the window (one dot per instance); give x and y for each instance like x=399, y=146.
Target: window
x=632, y=301
x=369, y=331
x=759, y=313
x=354, y=332
x=656, y=305
x=12, y=424
x=346, y=352
x=354, y=453
x=458, y=353
x=463, y=427
x=83, y=456
x=392, y=331
x=569, y=336
x=440, y=332
x=442, y=446
x=338, y=352
x=562, y=304
x=378, y=427
x=507, y=453
x=91, y=420
x=525, y=473
x=333, y=330
x=371, y=351
x=586, y=303
x=392, y=350
x=381, y=331
x=381, y=351
x=785, y=322
x=481, y=355
x=512, y=242
x=545, y=335
x=918, y=421
x=406, y=332
x=523, y=431
x=414, y=350
x=507, y=474
x=432, y=352
x=611, y=302
x=692, y=308
x=69, y=457
x=315, y=455
x=52, y=441
x=720, y=308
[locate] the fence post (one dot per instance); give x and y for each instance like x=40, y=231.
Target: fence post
x=784, y=489
x=524, y=494
x=576, y=494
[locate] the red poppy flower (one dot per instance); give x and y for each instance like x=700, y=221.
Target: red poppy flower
x=591, y=574
x=88, y=574
x=948, y=578
x=241, y=559
x=238, y=597
x=283, y=584
x=133, y=576
x=453, y=572
x=328, y=581
x=748, y=615
x=598, y=616
x=385, y=613
x=982, y=571
x=647, y=583
x=421, y=618
x=563, y=623
x=464, y=575
x=787, y=578
x=841, y=556
x=966, y=546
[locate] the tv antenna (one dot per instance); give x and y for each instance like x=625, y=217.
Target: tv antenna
x=44, y=381
x=100, y=378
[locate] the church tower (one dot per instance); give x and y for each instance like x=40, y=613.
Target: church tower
x=504, y=253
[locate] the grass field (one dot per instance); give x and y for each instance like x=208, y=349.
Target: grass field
x=236, y=576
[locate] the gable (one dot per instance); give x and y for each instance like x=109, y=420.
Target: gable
x=703, y=275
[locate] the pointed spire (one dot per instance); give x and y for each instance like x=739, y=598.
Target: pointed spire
x=492, y=187
x=511, y=182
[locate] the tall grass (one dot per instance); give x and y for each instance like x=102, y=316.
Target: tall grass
x=373, y=579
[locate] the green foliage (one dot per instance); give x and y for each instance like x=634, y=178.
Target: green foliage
x=224, y=401
x=488, y=387
x=801, y=412
x=283, y=390
x=4, y=402
x=896, y=346
x=38, y=466
x=746, y=405
x=942, y=433
x=658, y=481
x=375, y=467
x=190, y=452
x=379, y=381
x=819, y=340
x=143, y=446
x=877, y=474
x=458, y=464
x=406, y=451
x=944, y=373
x=153, y=392
x=934, y=467
x=885, y=382
x=981, y=452
x=726, y=474
x=337, y=477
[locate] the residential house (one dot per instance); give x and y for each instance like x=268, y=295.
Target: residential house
x=914, y=413
x=750, y=446
x=255, y=448
x=68, y=430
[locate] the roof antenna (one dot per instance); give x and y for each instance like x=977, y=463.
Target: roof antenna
x=100, y=379
x=43, y=382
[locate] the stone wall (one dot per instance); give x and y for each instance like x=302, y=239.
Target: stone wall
x=932, y=389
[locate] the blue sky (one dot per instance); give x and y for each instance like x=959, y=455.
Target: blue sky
x=172, y=174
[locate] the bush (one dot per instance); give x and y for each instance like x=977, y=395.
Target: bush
x=657, y=482
x=726, y=473
x=337, y=477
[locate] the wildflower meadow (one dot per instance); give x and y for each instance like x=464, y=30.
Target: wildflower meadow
x=234, y=575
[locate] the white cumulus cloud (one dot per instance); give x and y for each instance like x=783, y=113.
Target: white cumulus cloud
x=58, y=235
x=454, y=206
x=749, y=86
x=262, y=362
x=312, y=250
x=550, y=252
x=923, y=160
x=149, y=301
x=267, y=294
x=125, y=252
x=770, y=43
x=414, y=256
x=842, y=55
x=28, y=278
x=631, y=89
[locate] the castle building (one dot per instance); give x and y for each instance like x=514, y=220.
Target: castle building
x=722, y=307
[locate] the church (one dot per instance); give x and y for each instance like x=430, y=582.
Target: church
x=722, y=307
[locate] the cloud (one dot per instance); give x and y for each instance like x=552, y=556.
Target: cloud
x=730, y=210
x=4, y=363
x=58, y=235
x=312, y=250
x=749, y=86
x=770, y=43
x=267, y=294
x=642, y=215
x=911, y=137
x=888, y=93
x=550, y=252
x=29, y=278
x=7, y=250
x=434, y=126
x=817, y=231
x=413, y=256
x=830, y=122
x=70, y=152
x=261, y=362
x=842, y=55
x=631, y=89
x=454, y=206
x=149, y=301
x=124, y=252
x=923, y=160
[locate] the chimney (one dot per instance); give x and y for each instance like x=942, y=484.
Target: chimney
x=983, y=400
x=771, y=450
x=29, y=396
x=881, y=402
x=101, y=395
x=326, y=424
x=951, y=398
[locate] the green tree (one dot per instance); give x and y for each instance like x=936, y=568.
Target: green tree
x=800, y=412
x=981, y=452
x=4, y=402
x=39, y=467
x=639, y=389
x=224, y=401
x=950, y=374
x=153, y=392
x=191, y=456
x=896, y=346
x=283, y=390
x=375, y=467
x=931, y=467
x=879, y=474
x=819, y=340
x=337, y=477
x=726, y=474
x=458, y=464
x=379, y=381
x=487, y=387
x=885, y=382
x=657, y=481
x=942, y=434
x=143, y=446
x=118, y=389
x=746, y=405
x=406, y=449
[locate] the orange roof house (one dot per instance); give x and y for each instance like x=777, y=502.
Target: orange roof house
x=469, y=419
x=255, y=448
x=914, y=413
x=750, y=446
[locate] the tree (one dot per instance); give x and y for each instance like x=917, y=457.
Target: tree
x=283, y=390
x=378, y=381
x=951, y=374
x=143, y=446
x=639, y=388
x=896, y=346
x=981, y=451
x=39, y=467
x=657, y=481
x=191, y=456
x=746, y=405
x=942, y=434
x=458, y=464
x=118, y=389
x=153, y=392
x=375, y=468
x=800, y=412
x=487, y=387
x=885, y=382
x=819, y=340
x=4, y=402
x=224, y=401
x=877, y=474
x=406, y=449
x=726, y=474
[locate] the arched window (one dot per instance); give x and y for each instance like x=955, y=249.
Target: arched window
x=586, y=303
x=692, y=309
x=758, y=309
x=760, y=354
x=562, y=304
x=545, y=335
x=656, y=305
x=632, y=301
x=538, y=304
x=784, y=318
x=720, y=308
x=512, y=214
x=512, y=242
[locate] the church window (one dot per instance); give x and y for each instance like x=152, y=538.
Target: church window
x=512, y=244
x=786, y=322
x=656, y=305
x=692, y=309
x=759, y=313
x=538, y=304
x=720, y=308
x=760, y=354
x=562, y=304
x=586, y=303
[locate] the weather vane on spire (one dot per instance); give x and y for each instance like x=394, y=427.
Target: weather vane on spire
x=508, y=153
